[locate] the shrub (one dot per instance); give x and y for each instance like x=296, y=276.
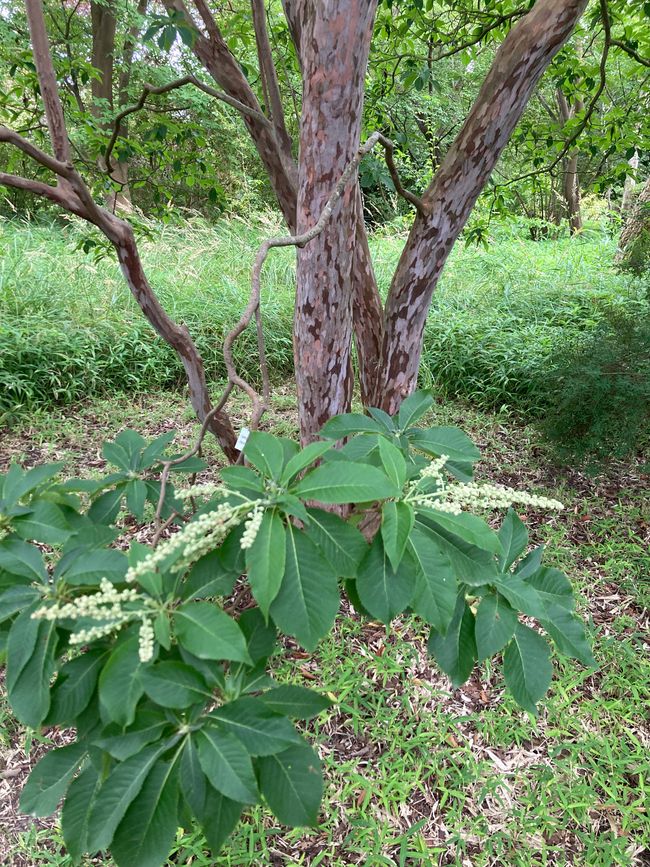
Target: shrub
x=162, y=671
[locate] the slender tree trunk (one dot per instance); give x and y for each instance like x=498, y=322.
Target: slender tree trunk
x=570, y=180
x=335, y=41
x=519, y=63
x=628, y=189
x=638, y=221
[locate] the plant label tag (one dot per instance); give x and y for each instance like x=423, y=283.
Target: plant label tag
x=242, y=438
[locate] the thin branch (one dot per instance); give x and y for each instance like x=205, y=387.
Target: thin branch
x=150, y=89
x=60, y=168
x=389, y=149
x=630, y=51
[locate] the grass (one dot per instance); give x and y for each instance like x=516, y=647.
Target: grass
x=70, y=328
x=418, y=774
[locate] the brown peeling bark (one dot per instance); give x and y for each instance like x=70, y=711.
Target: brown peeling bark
x=334, y=45
x=519, y=63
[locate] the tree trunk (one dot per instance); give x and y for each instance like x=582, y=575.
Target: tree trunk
x=570, y=180
x=638, y=222
x=519, y=63
x=334, y=41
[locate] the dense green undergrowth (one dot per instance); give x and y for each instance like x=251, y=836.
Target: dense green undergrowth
x=504, y=329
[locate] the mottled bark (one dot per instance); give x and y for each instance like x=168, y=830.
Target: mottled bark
x=519, y=63
x=638, y=222
x=570, y=180
x=334, y=45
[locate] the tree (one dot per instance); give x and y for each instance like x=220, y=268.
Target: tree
x=336, y=290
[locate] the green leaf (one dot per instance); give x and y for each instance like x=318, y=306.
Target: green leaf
x=80, y=567
x=147, y=832
x=469, y=528
x=568, y=633
x=20, y=558
x=455, y=652
x=265, y=452
x=193, y=782
x=383, y=591
x=29, y=692
x=154, y=451
x=521, y=595
x=261, y=730
x=349, y=423
x=105, y=508
x=304, y=459
x=174, y=684
x=242, y=479
x=296, y=702
x=553, y=588
x=342, y=544
x=218, y=818
x=383, y=418
x=413, y=408
x=44, y=523
x=514, y=538
x=20, y=645
x=208, y=577
x=530, y=564
x=120, y=686
x=472, y=565
x=397, y=520
x=136, y=495
x=147, y=728
x=260, y=636
x=16, y=599
x=436, y=589
x=265, y=560
x=75, y=814
x=74, y=687
x=450, y=441
x=292, y=784
x=116, y=794
x=309, y=598
x=19, y=482
x=226, y=764
x=495, y=625
x=344, y=482
x=393, y=462
x=527, y=667
x=49, y=779
x=209, y=633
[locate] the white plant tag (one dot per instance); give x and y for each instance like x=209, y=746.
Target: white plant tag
x=242, y=438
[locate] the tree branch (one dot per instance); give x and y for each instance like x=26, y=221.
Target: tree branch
x=269, y=74
x=630, y=51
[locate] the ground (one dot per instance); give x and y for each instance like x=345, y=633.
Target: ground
x=418, y=773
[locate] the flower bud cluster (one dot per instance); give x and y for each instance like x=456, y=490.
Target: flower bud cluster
x=197, y=538
x=488, y=496
x=252, y=527
x=434, y=469
x=205, y=490
x=146, y=640
x=433, y=501
x=105, y=605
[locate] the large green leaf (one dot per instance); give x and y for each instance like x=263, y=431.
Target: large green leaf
x=75, y=814
x=304, y=459
x=448, y=441
x=209, y=633
x=218, y=819
x=208, y=577
x=384, y=591
x=242, y=479
x=342, y=544
x=20, y=644
x=436, y=588
x=74, y=687
x=105, y=508
x=116, y=794
x=45, y=522
x=472, y=565
x=193, y=782
x=553, y=588
x=309, y=598
x=413, y=408
x=345, y=482
x=16, y=599
x=455, y=652
x=265, y=560
x=397, y=519
x=81, y=566
x=392, y=461
x=265, y=452
x=292, y=784
x=120, y=686
x=20, y=558
x=568, y=633
x=261, y=636
x=495, y=625
x=19, y=482
x=29, y=693
x=297, y=702
x=527, y=667
x=350, y=423
x=469, y=528
x=530, y=564
x=146, y=833
x=514, y=538
x=521, y=595
x=226, y=764
x=261, y=730
x=147, y=727
x=174, y=684
x=50, y=778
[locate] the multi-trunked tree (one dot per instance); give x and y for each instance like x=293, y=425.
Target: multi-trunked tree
x=157, y=656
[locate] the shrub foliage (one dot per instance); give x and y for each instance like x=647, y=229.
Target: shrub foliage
x=158, y=657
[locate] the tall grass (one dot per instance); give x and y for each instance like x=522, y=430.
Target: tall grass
x=69, y=327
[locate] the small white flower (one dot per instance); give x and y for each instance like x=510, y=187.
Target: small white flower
x=252, y=527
